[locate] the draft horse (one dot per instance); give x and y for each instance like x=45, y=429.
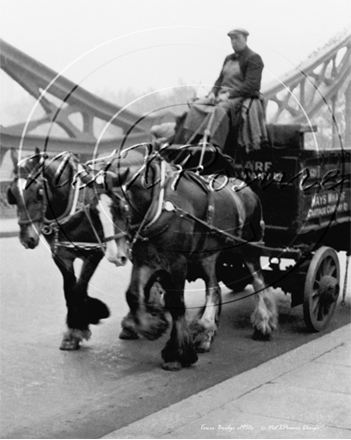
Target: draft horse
x=68, y=217
x=180, y=225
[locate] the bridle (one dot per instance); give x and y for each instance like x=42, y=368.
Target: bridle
x=87, y=175
x=127, y=218
x=33, y=176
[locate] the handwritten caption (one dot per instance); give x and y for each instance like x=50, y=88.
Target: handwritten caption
x=248, y=427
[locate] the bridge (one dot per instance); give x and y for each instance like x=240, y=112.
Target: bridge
x=317, y=92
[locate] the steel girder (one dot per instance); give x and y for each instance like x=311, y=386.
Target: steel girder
x=318, y=81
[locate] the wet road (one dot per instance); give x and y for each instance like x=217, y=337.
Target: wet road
x=109, y=383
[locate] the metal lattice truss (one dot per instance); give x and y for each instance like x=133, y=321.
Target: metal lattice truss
x=317, y=82
x=60, y=99
x=321, y=80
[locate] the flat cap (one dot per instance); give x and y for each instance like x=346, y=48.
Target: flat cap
x=238, y=31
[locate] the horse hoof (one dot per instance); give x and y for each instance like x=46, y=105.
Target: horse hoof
x=259, y=336
x=128, y=333
x=172, y=366
x=204, y=347
x=70, y=344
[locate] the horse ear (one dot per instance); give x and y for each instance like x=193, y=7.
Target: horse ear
x=111, y=180
x=114, y=180
x=14, y=157
x=38, y=155
x=121, y=179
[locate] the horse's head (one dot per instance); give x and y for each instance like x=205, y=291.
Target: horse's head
x=40, y=190
x=27, y=192
x=112, y=208
x=114, y=215
x=125, y=195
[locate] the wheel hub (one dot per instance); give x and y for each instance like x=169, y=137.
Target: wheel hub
x=328, y=289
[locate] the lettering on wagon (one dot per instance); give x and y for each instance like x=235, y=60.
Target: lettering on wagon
x=328, y=203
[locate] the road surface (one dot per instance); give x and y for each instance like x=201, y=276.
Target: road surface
x=109, y=383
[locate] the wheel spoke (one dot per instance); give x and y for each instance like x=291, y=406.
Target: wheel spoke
x=327, y=265
x=316, y=287
x=315, y=302
x=334, y=273
x=319, y=315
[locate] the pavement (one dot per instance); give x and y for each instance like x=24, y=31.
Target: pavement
x=305, y=393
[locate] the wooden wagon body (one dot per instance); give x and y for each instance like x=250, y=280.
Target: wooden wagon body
x=306, y=199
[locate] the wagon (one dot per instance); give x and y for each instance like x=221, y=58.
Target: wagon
x=305, y=196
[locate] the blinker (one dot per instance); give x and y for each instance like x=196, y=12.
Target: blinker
x=11, y=199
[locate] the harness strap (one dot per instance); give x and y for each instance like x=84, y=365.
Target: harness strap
x=71, y=208
x=210, y=208
x=161, y=194
x=76, y=194
x=155, y=206
x=241, y=209
x=115, y=236
x=87, y=213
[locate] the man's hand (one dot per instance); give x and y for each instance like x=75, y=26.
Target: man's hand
x=224, y=96
x=212, y=98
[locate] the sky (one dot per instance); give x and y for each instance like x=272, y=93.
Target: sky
x=160, y=44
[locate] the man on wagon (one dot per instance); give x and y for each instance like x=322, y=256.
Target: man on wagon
x=234, y=105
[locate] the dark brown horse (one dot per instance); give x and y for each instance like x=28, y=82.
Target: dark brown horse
x=68, y=218
x=180, y=225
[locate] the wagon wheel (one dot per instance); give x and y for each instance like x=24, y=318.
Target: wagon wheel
x=321, y=288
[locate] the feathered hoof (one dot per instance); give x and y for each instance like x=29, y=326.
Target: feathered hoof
x=202, y=337
x=259, y=336
x=72, y=339
x=173, y=356
x=172, y=366
x=204, y=347
x=70, y=344
x=151, y=326
x=128, y=334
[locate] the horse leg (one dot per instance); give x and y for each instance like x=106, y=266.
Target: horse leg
x=92, y=309
x=81, y=310
x=265, y=316
x=128, y=323
x=146, y=315
x=179, y=351
x=128, y=328
x=205, y=327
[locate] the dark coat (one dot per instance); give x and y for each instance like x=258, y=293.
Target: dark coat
x=251, y=66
